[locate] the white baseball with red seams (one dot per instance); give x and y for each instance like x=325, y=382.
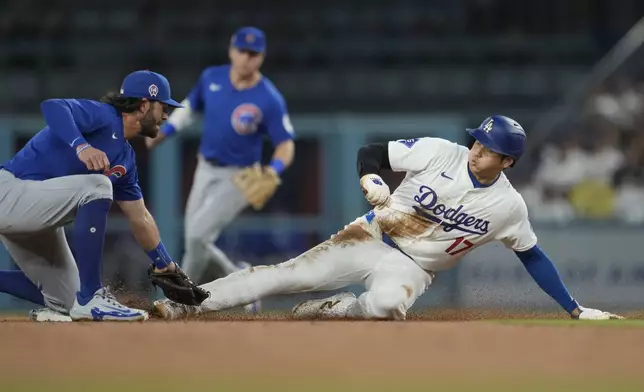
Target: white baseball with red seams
x=433, y=218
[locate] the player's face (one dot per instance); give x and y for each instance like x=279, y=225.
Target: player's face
x=153, y=117
x=245, y=62
x=485, y=163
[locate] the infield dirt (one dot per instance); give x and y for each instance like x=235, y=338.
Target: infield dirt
x=425, y=350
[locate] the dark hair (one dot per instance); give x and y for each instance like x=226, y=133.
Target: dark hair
x=121, y=103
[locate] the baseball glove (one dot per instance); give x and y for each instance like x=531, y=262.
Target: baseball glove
x=177, y=286
x=257, y=184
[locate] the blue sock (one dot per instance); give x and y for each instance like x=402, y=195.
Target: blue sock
x=17, y=284
x=89, y=238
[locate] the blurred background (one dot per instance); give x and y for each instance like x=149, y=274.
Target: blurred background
x=353, y=71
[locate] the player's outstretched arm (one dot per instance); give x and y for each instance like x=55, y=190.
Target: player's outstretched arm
x=163, y=272
x=545, y=274
x=180, y=119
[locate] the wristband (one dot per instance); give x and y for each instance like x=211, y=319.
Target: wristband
x=82, y=147
x=160, y=256
x=278, y=166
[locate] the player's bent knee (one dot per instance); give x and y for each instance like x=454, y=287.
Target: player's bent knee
x=96, y=187
x=386, y=303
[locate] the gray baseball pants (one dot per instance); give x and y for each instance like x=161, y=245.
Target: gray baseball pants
x=32, y=216
x=213, y=203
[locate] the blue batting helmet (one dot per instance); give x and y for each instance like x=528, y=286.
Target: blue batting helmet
x=502, y=135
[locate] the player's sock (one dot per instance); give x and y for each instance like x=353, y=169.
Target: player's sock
x=89, y=236
x=17, y=284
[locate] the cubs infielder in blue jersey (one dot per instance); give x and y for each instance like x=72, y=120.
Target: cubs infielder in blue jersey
x=240, y=107
x=72, y=170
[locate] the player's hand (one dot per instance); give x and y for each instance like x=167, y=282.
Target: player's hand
x=594, y=314
x=93, y=158
x=375, y=189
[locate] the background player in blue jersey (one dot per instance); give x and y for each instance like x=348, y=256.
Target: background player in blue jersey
x=240, y=107
x=72, y=170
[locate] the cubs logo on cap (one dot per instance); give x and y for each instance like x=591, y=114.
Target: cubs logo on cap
x=150, y=85
x=153, y=90
x=249, y=38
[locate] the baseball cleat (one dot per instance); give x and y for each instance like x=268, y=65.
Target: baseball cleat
x=172, y=311
x=104, y=307
x=331, y=307
x=48, y=315
x=256, y=306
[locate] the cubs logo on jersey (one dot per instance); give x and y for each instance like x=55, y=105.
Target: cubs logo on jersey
x=116, y=172
x=246, y=118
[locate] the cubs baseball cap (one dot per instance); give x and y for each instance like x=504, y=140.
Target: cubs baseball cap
x=249, y=38
x=150, y=85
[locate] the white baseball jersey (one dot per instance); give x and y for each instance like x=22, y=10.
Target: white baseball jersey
x=440, y=212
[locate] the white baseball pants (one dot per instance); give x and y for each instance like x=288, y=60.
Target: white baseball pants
x=354, y=255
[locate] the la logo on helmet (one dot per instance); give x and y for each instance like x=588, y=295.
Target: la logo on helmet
x=488, y=127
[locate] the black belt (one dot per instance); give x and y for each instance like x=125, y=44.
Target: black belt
x=387, y=240
x=216, y=162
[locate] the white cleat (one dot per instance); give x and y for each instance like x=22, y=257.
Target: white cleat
x=104, y=307
x=256, y=306
x=331, y=307
x=48, y=315
x=172, y=311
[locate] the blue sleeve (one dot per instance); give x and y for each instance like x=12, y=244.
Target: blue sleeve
x=70, y=119
x=277, y=121
x=545, y=274
x=127, y=187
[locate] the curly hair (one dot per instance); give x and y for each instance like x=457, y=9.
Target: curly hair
x=122, y=104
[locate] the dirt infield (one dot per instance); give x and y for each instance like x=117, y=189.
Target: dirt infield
x=469, y=347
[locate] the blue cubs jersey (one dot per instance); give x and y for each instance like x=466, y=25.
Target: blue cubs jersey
x=51, y=153
x=235, y=122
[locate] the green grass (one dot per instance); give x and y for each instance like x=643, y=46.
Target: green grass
x=323, y=384
x=575, y=323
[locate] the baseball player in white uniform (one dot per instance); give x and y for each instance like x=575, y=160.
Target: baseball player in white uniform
x=452, y=200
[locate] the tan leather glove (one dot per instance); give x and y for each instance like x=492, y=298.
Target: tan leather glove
x=257, y=184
